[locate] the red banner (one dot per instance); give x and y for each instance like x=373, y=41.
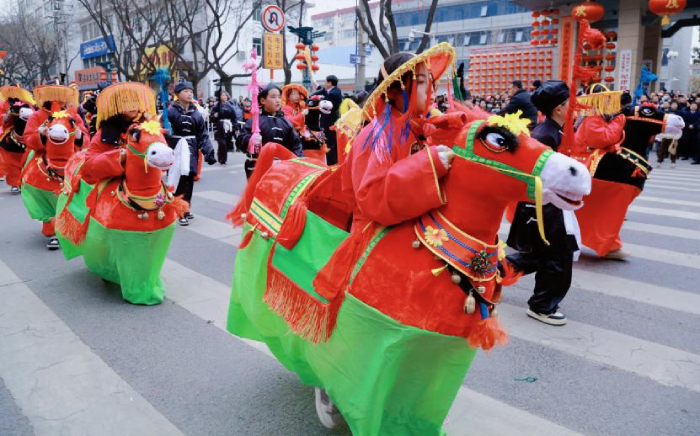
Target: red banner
x=566, y=48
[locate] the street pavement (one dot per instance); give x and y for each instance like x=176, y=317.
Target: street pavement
x=76, y=360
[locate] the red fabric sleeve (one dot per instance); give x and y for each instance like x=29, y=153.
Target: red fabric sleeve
x=31, y=136
x=594, y=132
x=101, y=161
x=397, y=188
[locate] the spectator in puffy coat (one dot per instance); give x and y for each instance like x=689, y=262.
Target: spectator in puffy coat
x=520, y=100
x=274, y=127
x=188, y=124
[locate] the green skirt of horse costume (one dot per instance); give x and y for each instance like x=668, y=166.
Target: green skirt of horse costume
x=38, y=191
x=370, y=363
x=132, y=259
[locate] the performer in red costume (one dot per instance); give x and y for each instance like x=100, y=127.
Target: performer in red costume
x=17, y=110
x=50, y=99
x=118, y=107
x=602, y=129
x=293, y=98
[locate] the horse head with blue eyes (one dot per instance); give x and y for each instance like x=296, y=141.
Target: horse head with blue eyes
x=420, y=296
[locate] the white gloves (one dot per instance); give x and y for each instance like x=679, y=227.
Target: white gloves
x=445, y=154
x=78, y=134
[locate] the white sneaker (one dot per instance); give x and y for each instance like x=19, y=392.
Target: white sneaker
x=328, y=414
x=53, y=244
x=556, y=318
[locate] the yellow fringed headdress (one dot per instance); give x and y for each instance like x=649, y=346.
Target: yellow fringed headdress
x=437, y=60
x=601, y=101
x=123, y=97
x=22, y=94
x=60, y=93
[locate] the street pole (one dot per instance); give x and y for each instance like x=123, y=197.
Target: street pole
x=360, y=76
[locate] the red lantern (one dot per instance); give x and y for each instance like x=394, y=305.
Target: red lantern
x=103, y=76
x=314, y=58
x=535, y=24
x=610, y=79
x=545, y=31
x=610, y=57
x=535, y=14
x=555, y=40
x=586, y=46
x=666, y=8
x=299, y=56
x=314, y=47
x=611, y=34
x=609, y=68
x=610, y=46
x=301, y=66
x=589, y=10
x=315, y=67
x=300, y=46
x=534, y=42
x=598, y=58
x=535, y=33
x=555, y=21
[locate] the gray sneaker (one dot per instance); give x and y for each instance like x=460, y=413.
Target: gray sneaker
x=556, y=318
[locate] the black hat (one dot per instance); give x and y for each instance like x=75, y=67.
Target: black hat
x=549, y=95
x=181, y=86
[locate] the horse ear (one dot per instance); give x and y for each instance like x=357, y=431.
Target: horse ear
x=135, y=134
x=72, y=122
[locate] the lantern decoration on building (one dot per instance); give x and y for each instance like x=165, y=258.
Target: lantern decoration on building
x=103, y=76
x=666, y=8
x=610, y=56
x=589, y=10
x=493, y=72
x=545, y=31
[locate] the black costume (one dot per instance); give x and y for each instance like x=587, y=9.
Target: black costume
x=328, y=120
x=273, y=128
x=552, y=264
x=188, y=123
x=521, y=101
x=224, y=114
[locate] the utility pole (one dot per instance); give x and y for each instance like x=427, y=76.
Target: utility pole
x=360, y=67
x=60, y=13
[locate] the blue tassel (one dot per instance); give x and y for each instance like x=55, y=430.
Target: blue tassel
x=484, y=311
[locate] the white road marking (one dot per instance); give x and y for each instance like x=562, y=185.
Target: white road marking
x=221, y=197
x=59, y=384
x=662, y=230
x=673, y=213
x=665, y=365
x=668, y=201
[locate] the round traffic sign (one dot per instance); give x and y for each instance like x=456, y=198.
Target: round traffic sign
x=272, y=18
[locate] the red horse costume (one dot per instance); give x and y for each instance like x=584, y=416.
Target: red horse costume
x=392, y=343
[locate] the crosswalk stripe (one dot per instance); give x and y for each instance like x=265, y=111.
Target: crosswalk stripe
x=662, y=230
x=672, y=187
x=645, y=197
x=683, y=182
x=665, y=365
x=632, y=290
x=219, y=230
x=680, y=177
x=221, y=197
x=206, y=169
x=643, y=252
x=210, y=303
x=665, y=212
x=60, y=385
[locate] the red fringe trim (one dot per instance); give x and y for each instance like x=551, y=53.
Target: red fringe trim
x=247, y=237
x=486, y=334
x=267, y=156
x=510, y=274
x=180, y=205
x=306, y=316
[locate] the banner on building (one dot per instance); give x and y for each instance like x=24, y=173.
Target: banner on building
x=273, y=51
x=566, y=48
x=625, y=70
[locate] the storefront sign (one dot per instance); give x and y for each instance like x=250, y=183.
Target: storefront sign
x=97, y=47
x=625, y=70
x=88, y=78
x=273, y=51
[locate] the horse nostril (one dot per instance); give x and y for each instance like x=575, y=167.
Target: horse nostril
x=573, y=171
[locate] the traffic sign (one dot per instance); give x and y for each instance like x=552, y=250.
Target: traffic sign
x=354, y=59
x=272, y=18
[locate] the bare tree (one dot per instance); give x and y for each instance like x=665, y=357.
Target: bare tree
x=33, y=51
x=386, y=38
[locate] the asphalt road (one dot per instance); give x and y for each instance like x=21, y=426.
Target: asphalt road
x=75, y=359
